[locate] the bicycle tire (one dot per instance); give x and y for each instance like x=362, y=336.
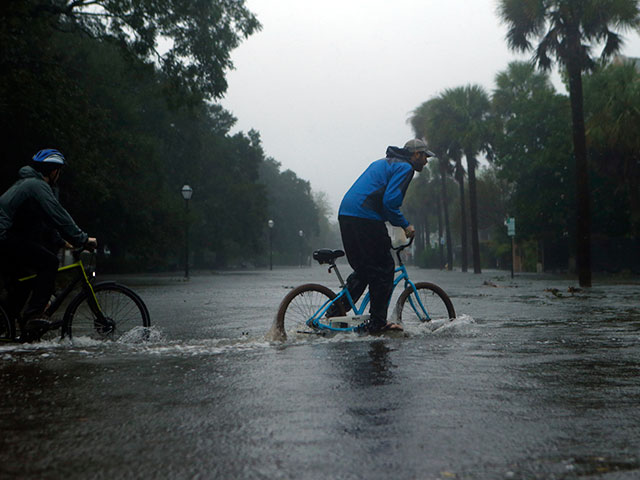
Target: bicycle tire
x=122, y=308
x=299, y=305
x=7, y=327
x=436, y=302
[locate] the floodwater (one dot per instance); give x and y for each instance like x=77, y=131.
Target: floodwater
x=526, y=384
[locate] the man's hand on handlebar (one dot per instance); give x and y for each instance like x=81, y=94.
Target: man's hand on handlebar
x=410, y=231
x=91, y=243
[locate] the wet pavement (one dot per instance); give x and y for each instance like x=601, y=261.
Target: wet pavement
x=533, y=380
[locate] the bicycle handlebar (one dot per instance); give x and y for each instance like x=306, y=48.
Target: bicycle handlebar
x=402, y=247
x=77, y=251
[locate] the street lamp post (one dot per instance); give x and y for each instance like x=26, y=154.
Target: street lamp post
x=186, y=191
x=301, y=235
x=271, y=223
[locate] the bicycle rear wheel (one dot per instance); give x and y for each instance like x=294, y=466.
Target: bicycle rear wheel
x=301, y=304
x=121, y=310
x=426, y=303
x=7, y=327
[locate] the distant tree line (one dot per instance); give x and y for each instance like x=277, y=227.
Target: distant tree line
x=524, y=130
x=137, y=123
x=566, y=168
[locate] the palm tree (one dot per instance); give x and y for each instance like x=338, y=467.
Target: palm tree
x=568, y=30
x=444, y=168
x=468, y=109
x=416, y=206
x=425, y=123
x=458, y=174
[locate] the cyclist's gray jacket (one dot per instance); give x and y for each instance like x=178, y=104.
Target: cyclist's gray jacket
x=29, y=207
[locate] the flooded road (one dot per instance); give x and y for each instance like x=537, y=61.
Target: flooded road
x=528, y=383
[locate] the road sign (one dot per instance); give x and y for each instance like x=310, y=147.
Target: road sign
x=511, y=226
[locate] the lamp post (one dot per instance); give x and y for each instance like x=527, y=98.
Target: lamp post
x=301, y=235
x=186, y=191
x=271, y=223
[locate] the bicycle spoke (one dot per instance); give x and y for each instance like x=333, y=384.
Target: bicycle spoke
x=121, y=309
x=300, y=305
x=427, y=302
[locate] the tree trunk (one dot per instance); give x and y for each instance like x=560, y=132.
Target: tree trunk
x=633, y=193
x=418, y=241
x=463, y=215
x=427, y=232
x=583, y=232
x=445, y=209
x=473, y=205
x=440, y=232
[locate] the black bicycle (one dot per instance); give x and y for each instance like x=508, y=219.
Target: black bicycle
x=103, y=310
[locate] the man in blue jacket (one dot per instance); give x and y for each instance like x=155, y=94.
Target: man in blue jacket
x=375, y=198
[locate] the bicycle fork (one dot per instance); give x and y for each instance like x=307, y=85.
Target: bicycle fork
x=417, y=306
x=103, y=325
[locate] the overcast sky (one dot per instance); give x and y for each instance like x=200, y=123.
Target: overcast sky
x=330, y=84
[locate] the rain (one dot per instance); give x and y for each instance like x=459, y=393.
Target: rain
x=208, y=148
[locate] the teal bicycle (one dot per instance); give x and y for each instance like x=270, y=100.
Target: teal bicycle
x=305, y=308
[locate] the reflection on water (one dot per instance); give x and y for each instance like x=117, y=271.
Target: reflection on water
x=526, y=383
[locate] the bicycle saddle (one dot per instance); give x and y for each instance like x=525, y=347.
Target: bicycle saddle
x=326, y=255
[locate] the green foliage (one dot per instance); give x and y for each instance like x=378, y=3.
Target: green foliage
x=612, y=96
x=429, y=121
x=456, y=123
x=493, y=194
x=191, y=41
x=292, y=209
x=532, y=172
x=135, y=131
x=567, y=31
x=533, y=151
x=419, y=197
x=429, y=258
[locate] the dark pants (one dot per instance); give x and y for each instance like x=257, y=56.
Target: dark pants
x=19, y=258
x=367, y=245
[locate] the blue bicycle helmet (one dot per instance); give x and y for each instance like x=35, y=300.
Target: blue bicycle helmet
x=49, y=155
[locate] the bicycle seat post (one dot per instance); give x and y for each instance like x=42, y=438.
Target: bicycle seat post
x=333, y=266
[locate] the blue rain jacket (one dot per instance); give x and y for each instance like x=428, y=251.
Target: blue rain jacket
x=378, y=193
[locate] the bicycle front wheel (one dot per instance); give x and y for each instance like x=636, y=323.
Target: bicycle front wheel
x=300, y=305
x=426, y=303
x=120, y=310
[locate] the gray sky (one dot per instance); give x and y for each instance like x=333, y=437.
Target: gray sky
x=330, y=84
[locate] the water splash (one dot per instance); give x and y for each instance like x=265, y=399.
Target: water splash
x=459, y=326
x=140, y=334
x=204, y=347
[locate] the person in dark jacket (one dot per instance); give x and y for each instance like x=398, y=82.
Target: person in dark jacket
x=375, y=198
x=33, y=226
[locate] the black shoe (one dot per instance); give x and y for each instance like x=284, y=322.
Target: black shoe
x=34, y=328
x=338, y=309
x=368, y=328
x=377, y=328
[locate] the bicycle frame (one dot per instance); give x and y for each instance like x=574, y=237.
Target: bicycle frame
x=60, y=297
x=314, y=321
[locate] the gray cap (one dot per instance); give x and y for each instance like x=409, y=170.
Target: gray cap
x=417, y=145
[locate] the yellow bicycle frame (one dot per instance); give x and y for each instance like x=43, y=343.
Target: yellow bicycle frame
x=87, y=283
